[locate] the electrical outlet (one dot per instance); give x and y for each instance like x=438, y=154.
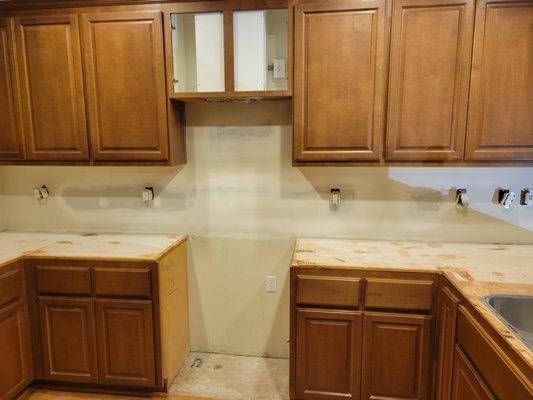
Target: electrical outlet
x=271, y=284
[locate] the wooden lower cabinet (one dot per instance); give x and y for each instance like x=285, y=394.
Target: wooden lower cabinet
x=396, y=356
x=68, y=339
x=328, y=354
x=467, y=384
x=15, y=350
x=126, y=354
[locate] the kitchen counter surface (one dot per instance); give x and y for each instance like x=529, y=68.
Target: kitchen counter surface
x=116, y=247
x=476, y=270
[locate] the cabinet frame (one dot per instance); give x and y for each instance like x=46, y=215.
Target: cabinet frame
x=227, y=8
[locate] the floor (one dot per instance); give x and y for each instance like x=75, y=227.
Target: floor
x=207, y=376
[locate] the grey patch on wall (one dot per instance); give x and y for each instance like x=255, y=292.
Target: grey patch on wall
x=121, y=198
x=427, y=199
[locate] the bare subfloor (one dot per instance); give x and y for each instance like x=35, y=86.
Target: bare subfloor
x=207, y=376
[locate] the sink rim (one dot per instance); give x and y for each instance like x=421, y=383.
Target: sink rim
x=513, y=328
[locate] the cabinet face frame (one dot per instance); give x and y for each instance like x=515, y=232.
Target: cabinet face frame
x=7, y=59
x=396, y=114
x=226, y=7
x=477, y=102
x=80, y=152
x=379, y=66
x=465, y=374
x=90, y=58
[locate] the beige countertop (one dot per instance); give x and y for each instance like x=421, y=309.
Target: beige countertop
x=477, y=270
x=120, y=247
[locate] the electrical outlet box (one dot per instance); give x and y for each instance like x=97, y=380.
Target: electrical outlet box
x=279, y=69
x=271, y=284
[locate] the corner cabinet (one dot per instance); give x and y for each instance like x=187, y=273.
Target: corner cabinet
x=500, y=123
x=340, y=73
x=124, y=68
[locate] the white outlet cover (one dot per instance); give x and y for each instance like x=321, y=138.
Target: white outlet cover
x=271, y=284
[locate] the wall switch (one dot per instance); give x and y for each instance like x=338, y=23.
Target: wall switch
x=279, y=69
x=271, y=284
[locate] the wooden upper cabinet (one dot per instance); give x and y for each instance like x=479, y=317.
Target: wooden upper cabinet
x=500, y=120
x=431, y=48
x=49, y=61
x=396, y=357
x=11, y=140
x=125, y=83
x=340, y=72
x=328, y=354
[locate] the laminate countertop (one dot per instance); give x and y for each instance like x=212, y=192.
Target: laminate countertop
x=114, y=247
x=476, y=270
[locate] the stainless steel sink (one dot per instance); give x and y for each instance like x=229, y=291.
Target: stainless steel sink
x=516, y=312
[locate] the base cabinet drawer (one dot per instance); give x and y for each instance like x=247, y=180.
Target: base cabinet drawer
x=126, y=353
x=328, y=354
x=396, y=357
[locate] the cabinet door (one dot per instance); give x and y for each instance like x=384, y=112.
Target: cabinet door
x=396, y=357
x=448, y=304
x=429, y=76
x=467, y=384
x=328, y=354
x=340, y=78
x=126, y=353
x=11, y=141
x=68, y=339
x=500, y=120
x=15, y=350
x=125, y=76
x=49, y=61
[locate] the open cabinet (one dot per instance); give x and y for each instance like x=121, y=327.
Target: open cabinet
x=224, y=50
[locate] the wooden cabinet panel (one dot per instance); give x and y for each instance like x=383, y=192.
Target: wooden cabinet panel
x=328, y=364
x=57, y=280
x=15, y=351
x=429, y=77
x=49, y=61
x=68, y=339
x=122, y=282
x=447, y=315
x=467, y=384
x=399, y=294
x=340, y=80
x=500, y=121
x=396, y=357
x=125, y=77
x=11, y=139
x=126, y=354
x=11, y=285
x=328, y=291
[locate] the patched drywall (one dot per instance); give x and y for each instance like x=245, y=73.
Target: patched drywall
x=243, y=204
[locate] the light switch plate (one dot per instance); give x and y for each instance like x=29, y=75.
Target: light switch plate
x=271, y=284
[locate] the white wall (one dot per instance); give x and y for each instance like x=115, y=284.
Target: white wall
x=243, y=204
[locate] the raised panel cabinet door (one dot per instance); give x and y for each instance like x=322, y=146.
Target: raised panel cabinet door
x=328, y=354
x=126, y=353
x=49, y=65
x=11, y=139
x=447, y=315
x=126, y=94
x=15, y=350
x=340, y=55
x=396, y=357
x=467, y=384
x=500, y=120
x=68, y=339
x=431, y=48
